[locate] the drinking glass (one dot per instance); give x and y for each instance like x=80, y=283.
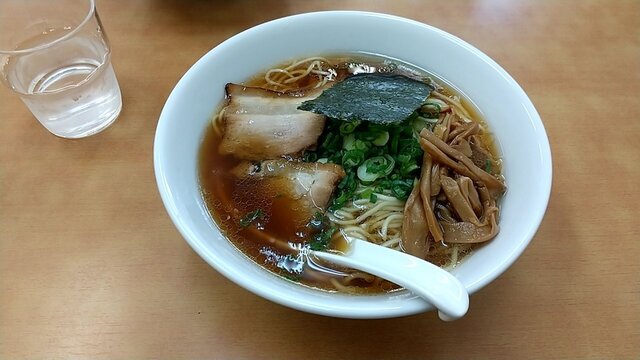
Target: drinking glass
x=56, y=56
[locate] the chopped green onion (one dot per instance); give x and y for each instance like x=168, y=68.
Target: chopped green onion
x=349, y=142
x=405, y=170
x=346, y=181
x=331, y=142
x=366, y=194
x=321, y=240
x=487, y=166
x=381, y=139
x=403, y=158
x=317, y=221
x=381, y=164
x=352, y=158
x=361, y=145
x=420, y=123
x=385, y=158
x=411, y=149
x=395, y=140
x=346, y=189
x=367, y=177
x=251, y=217
x=430, y=109
x=401, y=188
x=375, y=167
x=349, y=127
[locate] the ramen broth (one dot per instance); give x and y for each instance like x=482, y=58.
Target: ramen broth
x=229, y=200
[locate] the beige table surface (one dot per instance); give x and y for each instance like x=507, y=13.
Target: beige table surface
x=92, y=267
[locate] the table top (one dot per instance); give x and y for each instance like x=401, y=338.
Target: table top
x=92, y=267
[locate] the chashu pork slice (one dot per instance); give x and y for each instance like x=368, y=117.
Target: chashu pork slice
x=262, y=124
x=308, y=186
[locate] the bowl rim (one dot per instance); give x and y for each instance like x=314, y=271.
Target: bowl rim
x=497, y=268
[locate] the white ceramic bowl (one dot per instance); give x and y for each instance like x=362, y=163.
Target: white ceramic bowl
x=511, y=116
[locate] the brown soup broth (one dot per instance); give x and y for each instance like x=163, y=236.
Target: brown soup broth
x=229, y=199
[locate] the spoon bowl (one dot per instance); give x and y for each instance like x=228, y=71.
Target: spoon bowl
x=430, y=282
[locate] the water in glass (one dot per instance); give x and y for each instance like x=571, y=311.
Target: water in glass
x=71, y=89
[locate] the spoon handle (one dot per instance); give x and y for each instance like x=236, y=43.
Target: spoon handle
x=430, y=282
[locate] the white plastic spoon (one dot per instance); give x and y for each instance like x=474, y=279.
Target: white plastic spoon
x=435, y=285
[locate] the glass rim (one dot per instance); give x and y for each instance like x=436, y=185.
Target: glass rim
x=90, y=14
